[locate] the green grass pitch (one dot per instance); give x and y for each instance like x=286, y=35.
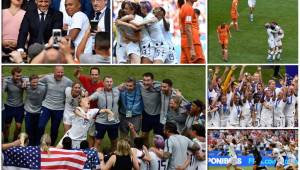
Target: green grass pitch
x=190, y=80
x=249, y=45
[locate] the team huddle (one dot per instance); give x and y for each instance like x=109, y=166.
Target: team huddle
x=275, y=35
x=143, y=34
x=248, y=102
x=90, y=107
x=281, y=146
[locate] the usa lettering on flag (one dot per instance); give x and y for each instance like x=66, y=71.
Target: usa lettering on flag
x=63, y=159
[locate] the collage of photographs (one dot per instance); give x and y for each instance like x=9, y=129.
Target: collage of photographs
x=149, y=85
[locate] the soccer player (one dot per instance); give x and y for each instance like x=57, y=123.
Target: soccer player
x=251, y=4
x=271, y=42
x=290, y=107
x=223, y=37
x=280, y=102
x=197, y=132
x=256, y=154
x=291, y=153
x=233, y=161
x=165, y=27
x=35, y=95
x=158, y=54
x=14, y=107
x=277, y=156
x=191, y=48
x=278, y=36
x=156, y=162
x=54, y=103
x=267, y=117
x=81, y=121
x=73, y=94
x=132, y=35
x=234, y=14
x=235, y=110
x=107, y=99
x=90, y=83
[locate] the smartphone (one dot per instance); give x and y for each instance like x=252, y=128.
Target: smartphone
x=56, y=34
x=94, y=25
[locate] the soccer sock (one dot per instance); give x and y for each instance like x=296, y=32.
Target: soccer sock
x=275, y=54
x=225, y=54
x=279, y=54
x=269, y=55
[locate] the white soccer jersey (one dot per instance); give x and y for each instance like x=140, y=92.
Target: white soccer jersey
x=145, y=37
x=224, y=114
x=157, y=163
x=267, y=114
x=143, y=164
x=80, y=126
x=235, y=112
x=271, y=39
x=154, y=28
x=231, y=150
x=290, y=107
x=70, y=104
x=215, y=119
x=246, y=114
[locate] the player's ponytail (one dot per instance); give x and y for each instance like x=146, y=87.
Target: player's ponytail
x=165, y=22
x=180, y=3
x=45, y=143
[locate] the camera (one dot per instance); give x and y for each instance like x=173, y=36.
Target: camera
x=94, y=25
x=56, y=34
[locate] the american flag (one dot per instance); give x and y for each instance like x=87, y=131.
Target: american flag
x=63, y=159
x=32, y=158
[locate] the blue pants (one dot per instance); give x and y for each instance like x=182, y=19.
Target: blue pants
x=31, y=126
x=16, y=113
x=56, y=117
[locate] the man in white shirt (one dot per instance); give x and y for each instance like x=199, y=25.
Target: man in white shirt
x=78, y=24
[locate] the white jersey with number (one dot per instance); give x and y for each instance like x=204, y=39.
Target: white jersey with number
x=157, y=163
x=154, y=28
x=267, y=114
x=231, y=150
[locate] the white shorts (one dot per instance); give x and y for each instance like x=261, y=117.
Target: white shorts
x=233, y=161
x=290, y=121
x=133, y=48
x=67, y=118
x=121, y=53
x=170, y=56
x=160, y=51
x=251, y=3
x=146, y=50
x=271, y=43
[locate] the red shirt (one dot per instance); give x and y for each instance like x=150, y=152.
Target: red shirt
x=90, y=87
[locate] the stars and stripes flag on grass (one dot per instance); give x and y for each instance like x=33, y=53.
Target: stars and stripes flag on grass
x=32, y=158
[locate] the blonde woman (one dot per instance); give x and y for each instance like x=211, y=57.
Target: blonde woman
x=123, y=158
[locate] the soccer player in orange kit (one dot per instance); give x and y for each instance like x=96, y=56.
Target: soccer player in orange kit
x=191, y=48
x=234, y=14
x=223, y=37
